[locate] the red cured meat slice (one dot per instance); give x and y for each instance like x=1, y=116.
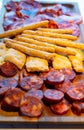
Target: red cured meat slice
x=78, y=107
x=12, y=99
x=54, y=76
x=60, y=108
x=30, y=82
x=52, y=96
x=35, y=93
x=8, y=69
x=8, y=82
x=31, y=107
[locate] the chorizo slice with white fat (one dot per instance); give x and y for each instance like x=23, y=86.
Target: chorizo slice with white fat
x=35, y=93
x=31, y=106
x=30, y=82
x=60, y=108
x=78, y=107
x=12, y=99
x=8, y=82
x=52, y=96
x=63, y=86
x=54, y=77
x=75, y=93
x=68, y=73
x=8, y=69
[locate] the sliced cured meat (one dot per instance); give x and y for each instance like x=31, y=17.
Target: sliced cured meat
x=12, y=99
x=8, y=82
x=54, y=77
x=63, y=86
x=30, y=82
x=68, y=25
x=79, y=83
x=60, y=108
x=29, y=4
x=11, y=5
x=31, y=107
x=8, y=69
x=75, y=93
x=55, y=10
x=78, y=107
x=68, y=74
x=3, y=91
x=72, y=18
x=52, y=96
x=35, y=93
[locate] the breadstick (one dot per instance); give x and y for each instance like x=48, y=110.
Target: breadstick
x=56, y=41
x=30, y=51
x=58, y=49
x=65, y=31
x=21, y=29
x=51, y=34
x=33, y=46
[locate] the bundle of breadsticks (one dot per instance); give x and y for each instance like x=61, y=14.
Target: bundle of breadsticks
x=41, y=44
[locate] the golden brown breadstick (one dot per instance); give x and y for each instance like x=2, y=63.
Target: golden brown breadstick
x=58, y=49
x=65, y=31
x=21, y=29
x=30, y=51
x=33, y=46
x=56, y=41
x=51, y=34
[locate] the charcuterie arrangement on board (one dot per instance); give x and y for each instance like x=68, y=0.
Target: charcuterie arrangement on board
x=40, y=60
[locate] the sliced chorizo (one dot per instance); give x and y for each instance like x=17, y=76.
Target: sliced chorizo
x=52, y=96
x=30, y=82
x=54, y=77
x=8, y=69
x=78, y=107
x=8, y=82
x=31, y=106
x=68, y=73
x=35, y=93
x=3, y=91
x=75, y=93
x=12, y=99
x=63, y=86
x=60, y=108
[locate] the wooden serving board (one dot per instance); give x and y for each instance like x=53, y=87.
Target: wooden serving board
x=47, y=117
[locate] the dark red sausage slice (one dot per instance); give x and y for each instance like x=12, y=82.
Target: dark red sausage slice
x=60, y=108
x=35, y=93
x=31, y=106
x=30, y=82
x=8, y=82
x=52, y=96
x=12, y=99
x=75, y=93
x=78, y=107
x=8, y=69
x=3, y=91
x=68, y=74
x=63, y=86
x=54, y=77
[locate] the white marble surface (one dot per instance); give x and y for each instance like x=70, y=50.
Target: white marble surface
x=80, y=3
